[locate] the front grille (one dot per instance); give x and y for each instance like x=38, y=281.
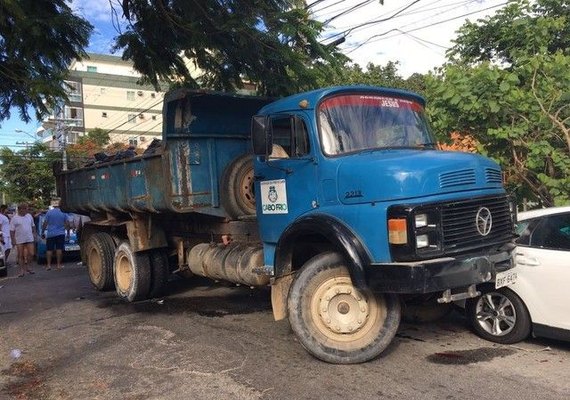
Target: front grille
x=459, y=224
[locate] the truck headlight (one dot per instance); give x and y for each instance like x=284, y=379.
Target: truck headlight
x=422, y=241
x=421, y=220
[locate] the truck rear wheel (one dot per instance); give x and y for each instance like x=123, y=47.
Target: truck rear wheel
x=236, y=187
x=132, y=273
x=335, y=321
x=99, y=256
x=159, y=272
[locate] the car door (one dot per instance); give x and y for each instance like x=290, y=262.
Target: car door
x=285, y=182
x=543, y=259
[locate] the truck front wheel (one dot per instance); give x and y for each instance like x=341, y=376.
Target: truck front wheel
x=132, y=273
x=335, y=321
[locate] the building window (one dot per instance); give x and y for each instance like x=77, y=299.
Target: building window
x=73, y=91
x=133, y=141
x=130, y=95
x=91, y=68
x=104, y=114
x=153, y=95
x=154, y=117
x=73, y=116
x=72, y=137
x=132, y=119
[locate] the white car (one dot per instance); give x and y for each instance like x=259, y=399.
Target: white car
x=539, y=300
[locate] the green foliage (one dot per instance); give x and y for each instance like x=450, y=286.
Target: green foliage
x=100, y=137
x=38, y=39
x=508, y=86
x=27, y=174
x=270, y=42
x=377, y=75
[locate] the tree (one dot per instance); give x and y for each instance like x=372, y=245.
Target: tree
x=508, y=86
x=377, y=75
x=98, y=136
x=83, y=152
x=271, y=42
x=38, y=39
x=27, y=174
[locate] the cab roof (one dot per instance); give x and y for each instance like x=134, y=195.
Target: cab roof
x=314, y=97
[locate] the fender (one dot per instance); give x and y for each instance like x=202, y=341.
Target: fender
x=337, y=233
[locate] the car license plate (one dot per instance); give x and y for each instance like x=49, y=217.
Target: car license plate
x=72, y=247
x=505, y=278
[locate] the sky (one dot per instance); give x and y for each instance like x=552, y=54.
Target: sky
x=414, y=33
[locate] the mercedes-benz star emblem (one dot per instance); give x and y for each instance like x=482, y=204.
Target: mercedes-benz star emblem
x=483, y=221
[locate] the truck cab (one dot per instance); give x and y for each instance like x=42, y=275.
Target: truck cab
x=358, y=175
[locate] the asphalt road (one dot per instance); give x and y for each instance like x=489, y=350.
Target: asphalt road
x=61, y=339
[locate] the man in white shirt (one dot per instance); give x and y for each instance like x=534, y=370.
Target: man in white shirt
x=23, y=235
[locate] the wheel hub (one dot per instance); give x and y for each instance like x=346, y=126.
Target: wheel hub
x=342, y=308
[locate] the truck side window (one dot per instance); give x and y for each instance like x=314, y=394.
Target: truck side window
x=290, y=139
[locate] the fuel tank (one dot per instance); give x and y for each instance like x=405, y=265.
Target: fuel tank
x=233, y=262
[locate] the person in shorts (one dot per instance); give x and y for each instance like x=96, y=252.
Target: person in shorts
x=54, y=228
x=23, y=235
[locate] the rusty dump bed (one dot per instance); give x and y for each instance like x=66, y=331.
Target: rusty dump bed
x=202, y=133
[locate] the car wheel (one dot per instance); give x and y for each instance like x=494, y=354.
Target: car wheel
x=499, y=316
x=335, y=321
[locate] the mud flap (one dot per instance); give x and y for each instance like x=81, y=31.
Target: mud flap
x=279, y=294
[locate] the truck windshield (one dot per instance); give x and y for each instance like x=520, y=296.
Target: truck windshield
x=352, y=123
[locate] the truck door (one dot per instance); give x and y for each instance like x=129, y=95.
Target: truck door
x=286, y=184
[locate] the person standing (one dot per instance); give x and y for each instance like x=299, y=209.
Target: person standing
x=56, y=223
x=23, y=235
x=5, y=229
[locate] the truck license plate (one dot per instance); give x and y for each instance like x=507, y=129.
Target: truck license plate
x=505, y=278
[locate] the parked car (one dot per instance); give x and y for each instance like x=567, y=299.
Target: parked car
x=71, y=242
x=538, y=301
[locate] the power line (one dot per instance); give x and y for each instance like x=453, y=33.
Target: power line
x=378, y=36
x=377, y=21
x=349, y=10
x=124, y=123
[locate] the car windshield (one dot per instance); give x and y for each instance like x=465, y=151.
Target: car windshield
x=352, y=123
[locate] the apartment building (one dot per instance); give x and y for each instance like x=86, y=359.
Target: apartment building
x=104, y=94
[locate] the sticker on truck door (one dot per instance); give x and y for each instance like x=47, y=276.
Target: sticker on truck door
x=274, y=197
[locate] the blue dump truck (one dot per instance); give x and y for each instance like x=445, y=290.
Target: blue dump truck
x=337, y=198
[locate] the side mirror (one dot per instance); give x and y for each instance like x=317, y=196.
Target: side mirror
x=261, y=137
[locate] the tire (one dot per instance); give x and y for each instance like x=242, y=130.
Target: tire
x=424, y=311
x=333, y=320
x=499, y=316
x=132, y=273
x=236, y=189
x=159, y=273
x=99, y=256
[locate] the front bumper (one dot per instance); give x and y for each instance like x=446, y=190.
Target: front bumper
x=436, y=275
